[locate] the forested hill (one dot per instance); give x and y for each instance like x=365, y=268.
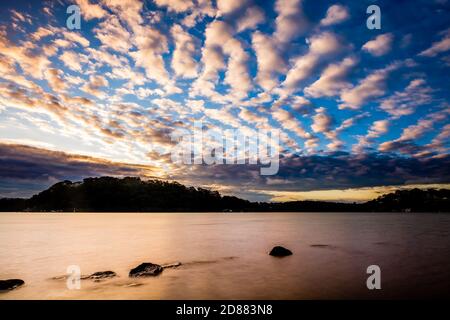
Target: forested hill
x=108, y=194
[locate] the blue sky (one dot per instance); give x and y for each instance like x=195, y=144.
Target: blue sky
x=359, y=110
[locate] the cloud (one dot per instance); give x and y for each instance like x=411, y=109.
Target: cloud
x=321, y=121
x=251, y=118
x=94, y=86
x=138, y=70
x=338, y=171
x=9, y=73
x=269, y=60
x=380, y=45
x=22, y=17
x=333, y=79
x=127, y=10
x=112, y=34
x=373, y=86
x=183, y=62
x=438, y=47
x=41, y=33
x=105, y=58
x=229, y=6
x=151, y=45
x=24, y=165
x=290, y=22
x=289, y=122
x=76, y=37
x=377, y=129
x=55, y=80
x=202, y=9
x=32, y=62
x=440, y=141
x=224, y=116
x=403, y=103
x=335, y=14
x=71, y=60
x=320, y=46
x=176, y=5
x=252, y=17
x=218, y=43
x=336, y=143
x=91, y=10
x=406, y=143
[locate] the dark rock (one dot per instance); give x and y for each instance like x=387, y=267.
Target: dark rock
x=102, y=275
x=10, y=284
x=279, y=251
x=146, y=269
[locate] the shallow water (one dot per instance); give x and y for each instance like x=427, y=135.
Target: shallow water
x=224, y=255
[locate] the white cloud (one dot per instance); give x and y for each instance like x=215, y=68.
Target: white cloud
x=406, y=142
x=228, y=6
x=112, y=34
x=269, y=60
x=290, y=22
x=380, y=45
x=90, y=10
x=55, y=80
x=321, y=121
x=183, y=62
x=176, y=5
x=405, y=102
x=335, y=14
x=71, y=60
x=151, y=45
x=289, y=122
x=202, y=9
x=218, y=43
x=438, y=47
x=252, y=17
x=76, y=37
x=333, y=79
x=377, y=129
x=324, y=44
x=373, y=86
x=94, y=86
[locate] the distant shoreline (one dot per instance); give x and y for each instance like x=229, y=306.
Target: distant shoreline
x=131, y=194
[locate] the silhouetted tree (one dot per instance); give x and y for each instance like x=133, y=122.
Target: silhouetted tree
x=109, y=194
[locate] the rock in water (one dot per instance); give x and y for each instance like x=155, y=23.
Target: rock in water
x=146, y=269
x=102, y=275
x=171, y=265
x=10, y=284
x=280, y=251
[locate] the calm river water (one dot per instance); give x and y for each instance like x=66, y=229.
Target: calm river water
x=224, y=255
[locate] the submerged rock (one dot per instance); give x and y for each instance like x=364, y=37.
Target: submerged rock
x=171, y=265
x=133, y=284
x=279, y=251
x=146, y=269
x=10, y=284
x=101, y=275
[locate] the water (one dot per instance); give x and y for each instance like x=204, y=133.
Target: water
x=225, y=256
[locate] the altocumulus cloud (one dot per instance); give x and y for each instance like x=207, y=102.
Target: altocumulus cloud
x=354, y=107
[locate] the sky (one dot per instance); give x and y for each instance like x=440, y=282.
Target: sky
x=360, y=111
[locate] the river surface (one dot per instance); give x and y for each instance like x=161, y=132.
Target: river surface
x=224, y=255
